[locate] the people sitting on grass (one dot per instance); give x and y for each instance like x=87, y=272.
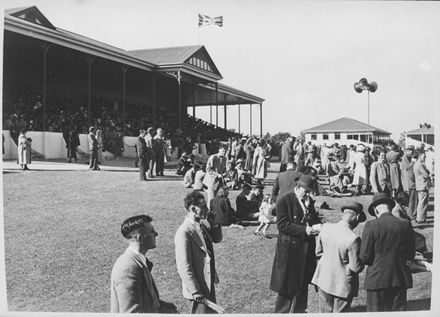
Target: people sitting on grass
x=183, y=164
x=190, y=175
x=265, y=217
x=231, y=178
x=221, y=207
x=247, y=209
x=243, y=176
x=199, y=176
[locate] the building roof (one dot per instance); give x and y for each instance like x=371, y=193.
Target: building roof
x=422, y=130
x=345, y=125
x=166, y=55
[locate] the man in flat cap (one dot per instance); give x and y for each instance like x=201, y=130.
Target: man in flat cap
x=295, y=261
x=387, y=243
x=337, y=273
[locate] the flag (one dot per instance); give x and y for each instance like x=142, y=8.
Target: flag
x=205, y=20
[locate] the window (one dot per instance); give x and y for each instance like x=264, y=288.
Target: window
x=337, y=136
x=325, y=136
x=355, y=136
x=363, y=138
x=349, y=136
x=313, y=136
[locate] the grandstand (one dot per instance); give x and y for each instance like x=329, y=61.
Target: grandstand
x=55, y=80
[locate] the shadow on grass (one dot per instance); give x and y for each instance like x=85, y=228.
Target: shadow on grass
x=412, y=305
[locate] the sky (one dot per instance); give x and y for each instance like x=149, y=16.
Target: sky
x=301, y=57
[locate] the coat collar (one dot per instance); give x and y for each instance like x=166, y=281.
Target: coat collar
x=192, y=230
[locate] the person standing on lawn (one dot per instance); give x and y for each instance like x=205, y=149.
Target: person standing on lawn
x=423, y=183
x=93, y=149
x=295, y=261
x=195, y=253
x=142, y=154
x=337, y=273
x=387, y=243
x=132, y=286
x=215, y=172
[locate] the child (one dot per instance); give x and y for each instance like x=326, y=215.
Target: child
x=265, y=216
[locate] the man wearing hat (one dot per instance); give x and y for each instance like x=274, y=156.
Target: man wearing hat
x=295, y=261
x=287, y=154
x=215, y=171
x=408, y=180
x=387, y=243
x=337, y=273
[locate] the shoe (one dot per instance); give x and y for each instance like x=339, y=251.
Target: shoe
x=257, y=233
x=98, y=169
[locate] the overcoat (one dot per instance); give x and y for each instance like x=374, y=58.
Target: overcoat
x=295, y=260
x=285, y=182
x=387, y=242
x=393, y=160
x=380, y=176
x=287, y=154
x=259, y=163
x=406, y=166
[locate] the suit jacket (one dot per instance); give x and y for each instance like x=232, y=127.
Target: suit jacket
x=421, y=175
x=132, y=286
x=287, y=153
x=406, y=166
x=337, y=270
x=93, y=143
x=141, y=147
x=387, y=242
x=188, y=179
x=380, y=177
x=295, y=260
x=193, y=259
x=284, y=183
x=224, y=214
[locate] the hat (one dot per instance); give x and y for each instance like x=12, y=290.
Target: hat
x=357, y=208
x=239, y=161
x=360, y=148
x=379, y=199
x=410, y=147
x=306, y=182
x=246, y=186
x=150, y=129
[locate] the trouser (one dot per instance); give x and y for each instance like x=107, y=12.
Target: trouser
x=386, y=299
x=160, y=164
x=333, y=304
x=93, y=160
x=295, y=304
x=142, y=168
x=412, y=204
x=422, y=205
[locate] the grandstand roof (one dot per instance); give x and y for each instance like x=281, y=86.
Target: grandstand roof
x=166, y=55
x=422, y=130
x=345, y=125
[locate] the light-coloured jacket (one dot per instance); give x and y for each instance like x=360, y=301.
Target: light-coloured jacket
x=192, y=258
x=338, y=268
x=215, y=166
x=380, y=176
x=132, y=286
x=421, y=175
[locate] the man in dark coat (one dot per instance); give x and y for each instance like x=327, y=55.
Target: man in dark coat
x=142, y=154
x=295, y=261
x=387, y=243
x=285, y=181
x=247, y=209
x=287, y=154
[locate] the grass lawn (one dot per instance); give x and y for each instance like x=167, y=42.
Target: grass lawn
x=62, y=236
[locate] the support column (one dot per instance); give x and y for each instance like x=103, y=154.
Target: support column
x=250, y=114
x=194, y=100
x=180, y=100
x=216, y=104
x=239, y=119
x=261, y=120
x=153, y=89
x=225, y=119
x=90, y=60
x=210, y=109
x=124, y=91
x=45, y=47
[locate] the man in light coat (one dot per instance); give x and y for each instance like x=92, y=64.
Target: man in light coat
x=195, y=253
x=380, y=179
x=132, y=286
x=287, y=153
x=93, y=149
x=149, y=141
x=387, y=243
x=422, y=178
x=215, y=171
x=337, y=273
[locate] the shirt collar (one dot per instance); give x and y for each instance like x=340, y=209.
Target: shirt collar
x=141, y=256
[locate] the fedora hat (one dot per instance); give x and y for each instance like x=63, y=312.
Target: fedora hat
x=379, y=199
x=307, y=182
x=357, y=208
x=239, y=161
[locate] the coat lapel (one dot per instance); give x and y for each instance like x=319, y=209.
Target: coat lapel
x=196, y=237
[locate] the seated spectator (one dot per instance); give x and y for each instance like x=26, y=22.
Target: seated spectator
x=257, y=194
x=265, y=217
x=221, y=207
x=188, y=179
x=243, y=176
x=183, y=164
x=247, y=209
x=399, y=209
x=198, y=178
x=231, y=178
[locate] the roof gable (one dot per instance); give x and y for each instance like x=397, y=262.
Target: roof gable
x=345, y=125
x=422, y=130
x=196, y=56
x=32, y=15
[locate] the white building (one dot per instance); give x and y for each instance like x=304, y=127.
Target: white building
x=425, y=134
x=346, y=131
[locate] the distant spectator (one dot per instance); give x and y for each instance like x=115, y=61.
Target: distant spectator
x=159, y=149
x=100, y=156
x=72, y=144
x=24, y=150
x=188, y=179
x=183, y=164
x=423, y=184
x=93, y=149
x=221, y=207
x=247, y=209
x=198, y=178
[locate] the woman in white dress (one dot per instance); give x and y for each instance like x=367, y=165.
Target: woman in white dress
x=24, y=150
x=259, y=162
x=360, y=169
